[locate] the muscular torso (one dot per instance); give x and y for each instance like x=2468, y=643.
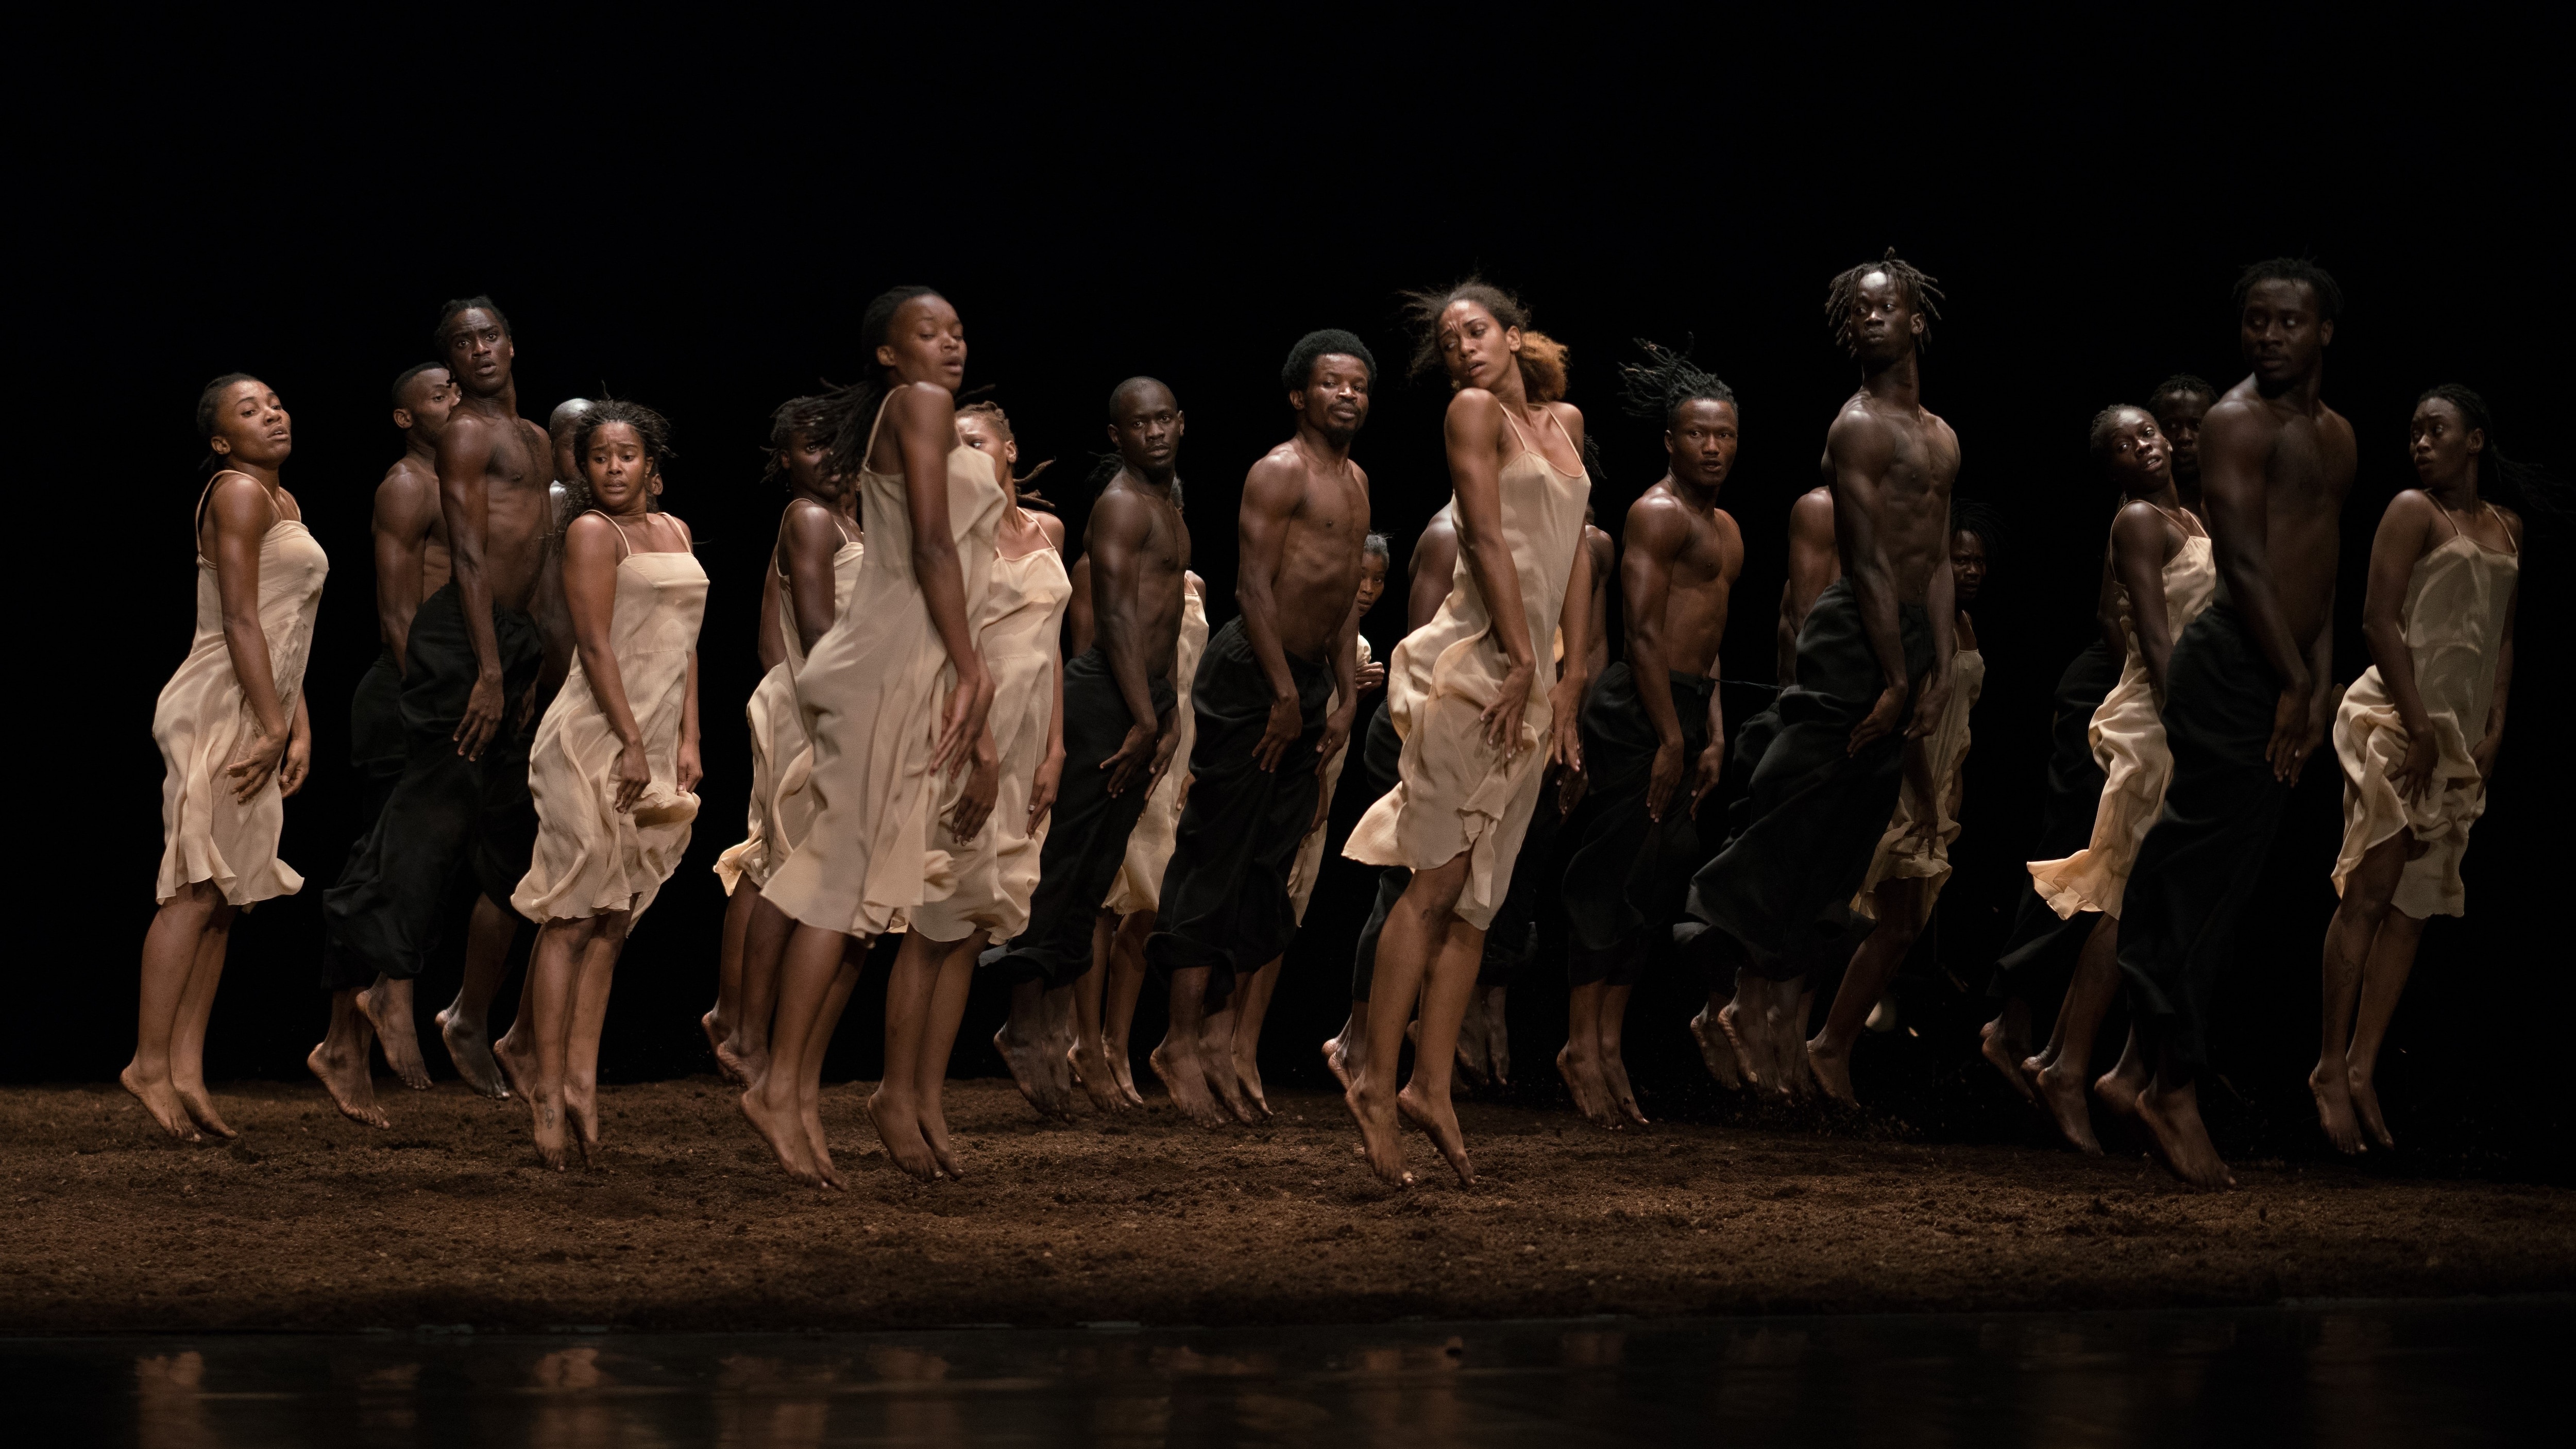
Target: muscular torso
x=1605, y=564
x=1154, y=566
x=408, y=522
x=1319, y=556
x=1699, y=579
x=1911, y=491
x=517, y=516
x=2305, y=478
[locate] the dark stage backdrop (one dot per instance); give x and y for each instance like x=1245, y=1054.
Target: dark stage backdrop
x=1187, y=211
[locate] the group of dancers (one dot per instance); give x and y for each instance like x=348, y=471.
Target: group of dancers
x=1056, y=773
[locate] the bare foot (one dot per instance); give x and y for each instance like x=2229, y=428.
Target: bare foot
x=162, y=1101
x=1717, y=1051
x=1832, y=1071
x=472, y=1055
x=2333, y=1093
x=1583, y=1078
x=1247, y=1074
x=2365, y=1105
x=1440, y=1120
x=785, y=1135
x=581, y=1109
x=1218, y=1067
x=809, y=1120
x=898, y=1126
x=1095, y=1081
x=1738, y=1029
x=716, y=1034
x=934, y=1132
x=1614, y=1076
x=1029, y=1068
x=518, y=1069
x=352, y=1089
x=1471, y=1049
x=387, y=1007
x=2005, y=1056
x=1379, y=1143
x=547, y=1130
x=2173, y=1120
x=201, y=1109
x=1188, y=1086
x=1498, y=1037
x=2062, y=1095
x=1123, y=1072
x=1337, y=1060
x=2118, y=1094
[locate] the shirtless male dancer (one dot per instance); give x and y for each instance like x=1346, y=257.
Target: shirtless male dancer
x=1118, y=737
x=470, y=665
x=2246, y=701
x=2178, y=405
x=1264, y=703
x=1654, y=731
x=1824, y=762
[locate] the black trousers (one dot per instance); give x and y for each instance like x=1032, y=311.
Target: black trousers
x=1626, y=874
x=2041, y=947
x=445, y=814
x=1511, y=939
x=1381, y=749
x=2204, y=855
x=1778, y=896
x=1225, y=902
x=376, y=748
x=1086, y=832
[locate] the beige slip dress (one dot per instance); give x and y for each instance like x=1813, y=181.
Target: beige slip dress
x=2457, y=602
x=1917, y=843
x=781, y=762
x=202, y=720
x=1139, y=886
x=591, y=857
x=1456, y=793
x=1310, y=851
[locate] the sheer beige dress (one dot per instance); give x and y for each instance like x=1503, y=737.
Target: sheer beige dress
x=1139, y=886
x=872, y=696
x=1917, y=843
x=782, y=763
x=1455, y=793
x=203, y=717
x=1310, y=852
x=2457, y=602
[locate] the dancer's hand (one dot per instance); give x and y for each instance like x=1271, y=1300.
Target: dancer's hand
x=968, y=704
x=1372, y=675
x=983, y=786
x=2289, y=745
x=1337, y=733
x=484, y=706
x=527, y=707
x=1287, y=721
x=1502, y=719
x=1042, y=787
x=1932, y=698
x=251, y=769
x=1136, y=760
x=1880, y=719
x=634, y=774
x=1664, y=779
x=2414, y=773
x=1571, y=787
x=2483, y=755
x=689, y=770
x=1565, y=721
x=1706, y=774
x=298, y=764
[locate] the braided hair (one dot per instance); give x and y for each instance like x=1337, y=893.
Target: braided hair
x=1657, y=387
x=211, y=399
x=1922, y=294
x=851, y=412
x=810, y=415
x=1970, y=515
x=1002, y=420
x=652, y=430
x=2528, y=490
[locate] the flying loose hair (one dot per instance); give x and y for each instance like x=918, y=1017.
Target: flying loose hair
x=1922, y=294
x=1657, y=387
x=1542, y=358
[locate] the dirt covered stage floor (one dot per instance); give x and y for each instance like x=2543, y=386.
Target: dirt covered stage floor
x=311, y=1222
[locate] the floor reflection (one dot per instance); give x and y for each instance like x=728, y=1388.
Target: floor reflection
x=2348, y=1375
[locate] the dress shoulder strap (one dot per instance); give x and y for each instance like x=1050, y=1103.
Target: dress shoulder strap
x=197, y=522
x=2512, y=544
x=2446, y=518
x=623, y=541
x=1569, y=441
x=870, y=450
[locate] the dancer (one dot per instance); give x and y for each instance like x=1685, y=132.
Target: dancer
x=1428, y=576
x=2247, y=690
x=2178, y=404
x=2164, y=574
x=813, y=569
x=235, y=742
x=615, y=767
x=1823, y=763
x=1120, y=730
x=1265, y=703
x=1905, y=877
x=1480, y=724
x=2417, y=735
x=1814, y=564
x=895, y=697
x=1654, y=732
x=470, y=661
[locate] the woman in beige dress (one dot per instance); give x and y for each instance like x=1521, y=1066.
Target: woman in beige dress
x=1913, y=860
x=812, y=570
x=1479, y=722
x=235, y=742
x=614, y=769
x=905, y=772
x=2417, y=735
x=2165, y=574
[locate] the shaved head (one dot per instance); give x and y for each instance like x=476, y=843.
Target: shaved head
x=1140, y=392
x=567, y=415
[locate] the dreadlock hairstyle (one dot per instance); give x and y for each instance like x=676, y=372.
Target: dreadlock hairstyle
x=851, y=412
x=1299, y=370
x=2294, y=269
x=1922, y=294
x=2182, y=384
x=1002, y=420
x=2528, y=490
x=810, y=415
x=651, y=429
x=1542, y=358
x=403, y=379
x=1970, y=515
x=447, y=318
x=1657, y=387
x=212, y=398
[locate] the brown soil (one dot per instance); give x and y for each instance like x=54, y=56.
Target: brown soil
x=312, y=1222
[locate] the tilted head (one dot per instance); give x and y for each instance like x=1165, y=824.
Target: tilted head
x=2179, y=402
x=1328, y=376
x=1881, y=310
x=2285, y=318
x=800, y=447
x=1696, y=408
x=243, y=422
x=1374, y=562
x=1145, y=426
x=424, y=394
x=622, y=447
x=1480, y=336
x=561, y=424
x=2447, y=437
x=920, y=339
x=2131, y=451
x=1974, y=534
x=474, y=339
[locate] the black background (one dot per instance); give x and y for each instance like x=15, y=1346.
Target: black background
x=693, y=215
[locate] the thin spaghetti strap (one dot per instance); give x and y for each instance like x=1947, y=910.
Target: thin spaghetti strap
x=623, y=541
x=1569, y=442
x=2510, y=542
x=877, y=422
x=197, y=522
x=2446, y=518
x=1518, y=436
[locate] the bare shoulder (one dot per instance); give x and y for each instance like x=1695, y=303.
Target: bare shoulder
x=687, y=539
x=1658, y=523
x=1858, y=431
x=2512, y=521
x=1569, y=417
x=1281, y=467
x=1053, y=528
x=2410, y=506
x=588, y=533
x=1476, y=410
x=1812, y=516
x=915, y=402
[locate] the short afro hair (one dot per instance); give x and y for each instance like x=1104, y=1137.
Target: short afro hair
x=1299, y=370
x=2182, y=384
x=455, y=305
x=403, y=379
x=2316, y=279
